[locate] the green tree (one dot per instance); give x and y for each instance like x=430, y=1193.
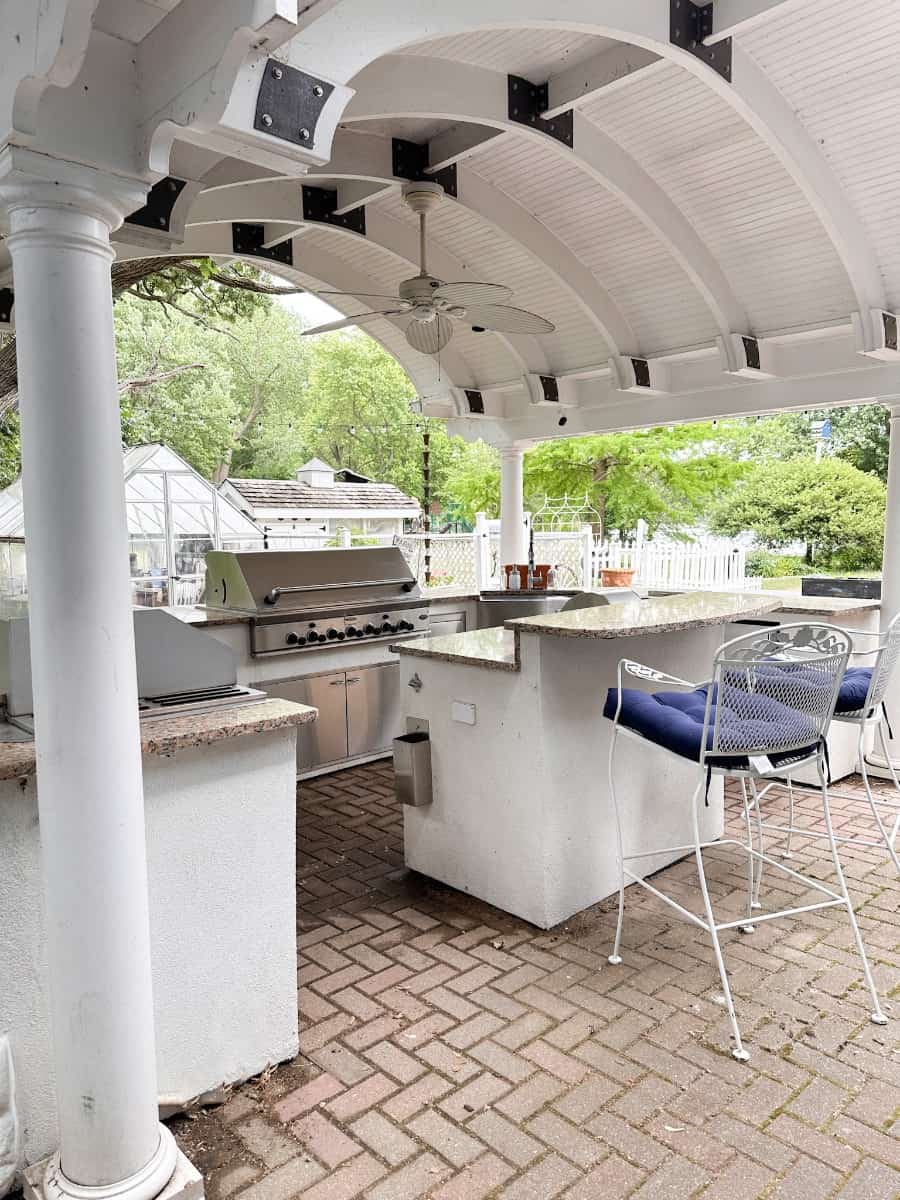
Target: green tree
x=667, y=476
x=204, y=389
x=833, y=507
x=471, y=483
x=354, y=412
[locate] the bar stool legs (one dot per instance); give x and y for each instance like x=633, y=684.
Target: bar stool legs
x=615, y=957
x=877, y=1017
x=873, y=805
x=738, y=1050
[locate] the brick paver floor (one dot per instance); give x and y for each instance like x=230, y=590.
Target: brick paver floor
x=454, y=1052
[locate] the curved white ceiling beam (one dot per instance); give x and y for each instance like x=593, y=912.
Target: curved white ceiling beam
x=335, y=39
x=279, y=201
x=406, y=86
x=328, y=272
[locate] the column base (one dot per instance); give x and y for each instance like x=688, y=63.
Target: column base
x=168, y=1176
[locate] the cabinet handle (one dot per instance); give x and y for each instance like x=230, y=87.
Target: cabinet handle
x=354, y=679
x=336, y=683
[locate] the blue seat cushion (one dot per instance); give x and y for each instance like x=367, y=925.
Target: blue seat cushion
x=674, y=720
x=854, y=689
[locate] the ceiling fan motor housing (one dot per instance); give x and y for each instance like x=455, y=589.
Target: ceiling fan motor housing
x=420, y=289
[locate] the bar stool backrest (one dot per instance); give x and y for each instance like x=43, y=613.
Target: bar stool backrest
x=883, y=666
x=774, y=691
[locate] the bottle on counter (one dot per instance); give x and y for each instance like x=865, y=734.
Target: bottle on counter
x=551, y=578
x=531, y=560
x=513, y=583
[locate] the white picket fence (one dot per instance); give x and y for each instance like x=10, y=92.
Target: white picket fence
x=471, y=560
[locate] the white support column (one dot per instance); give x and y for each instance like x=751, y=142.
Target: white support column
x=85, y=691
x=890, y=589
x=513, y=529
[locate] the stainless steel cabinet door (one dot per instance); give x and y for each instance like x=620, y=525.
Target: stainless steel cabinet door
x=444, y=623
x=325, y=740
x=374, y=718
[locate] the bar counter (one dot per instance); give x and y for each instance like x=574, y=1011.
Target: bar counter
x=522, y=814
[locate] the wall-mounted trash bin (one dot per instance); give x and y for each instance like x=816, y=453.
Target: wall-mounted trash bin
x=412, y=768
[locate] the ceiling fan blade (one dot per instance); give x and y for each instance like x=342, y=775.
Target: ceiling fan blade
x=472, y=293
x=501, y=318
x=428, y=337
x=359, y=319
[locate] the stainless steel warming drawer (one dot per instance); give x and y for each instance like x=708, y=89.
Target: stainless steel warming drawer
x=359, y=713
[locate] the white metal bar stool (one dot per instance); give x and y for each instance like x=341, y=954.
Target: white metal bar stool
x=860, y=702
x=765, y=712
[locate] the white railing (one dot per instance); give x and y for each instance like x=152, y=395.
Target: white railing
x=472, y=560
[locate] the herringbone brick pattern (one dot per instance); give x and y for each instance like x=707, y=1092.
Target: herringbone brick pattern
x=453, y=1052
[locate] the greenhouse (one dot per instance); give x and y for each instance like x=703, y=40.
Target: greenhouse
x=174, y=517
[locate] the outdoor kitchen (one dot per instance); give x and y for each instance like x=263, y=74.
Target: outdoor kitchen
x=449, y=743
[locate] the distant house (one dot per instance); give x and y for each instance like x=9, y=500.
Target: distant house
x=319, y=503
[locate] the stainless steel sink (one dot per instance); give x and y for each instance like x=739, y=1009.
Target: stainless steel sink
x=494, y=612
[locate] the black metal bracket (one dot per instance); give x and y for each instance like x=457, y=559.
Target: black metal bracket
x=289, y=103
x=7, y=300
x=319, y=205
x=409, y=160
x=550, y=386
x=157, y=212
x=248, y=239
x=689, y=24
x=526, y=103
x=751, y=352
x=641, y=369
x=889, y=325
x=475, y=401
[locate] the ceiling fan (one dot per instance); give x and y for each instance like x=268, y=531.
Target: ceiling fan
x=434, y=305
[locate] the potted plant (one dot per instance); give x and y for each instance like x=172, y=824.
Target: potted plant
x=616, y=576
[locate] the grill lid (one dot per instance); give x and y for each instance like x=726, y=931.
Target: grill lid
x=268, y=583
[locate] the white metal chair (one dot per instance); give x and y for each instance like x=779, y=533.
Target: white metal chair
x=861, y=702
x=766, y=712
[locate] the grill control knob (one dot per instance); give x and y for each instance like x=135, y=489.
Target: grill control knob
x=292, y=639
x=406, y=627
x=312, y=637
x=352, y=631
x=387, y=627
x=370, y=629
x=332, y=634
x=322, y=637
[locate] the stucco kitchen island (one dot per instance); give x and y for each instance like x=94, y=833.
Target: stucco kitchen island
x=521, y=815
x=220, y=818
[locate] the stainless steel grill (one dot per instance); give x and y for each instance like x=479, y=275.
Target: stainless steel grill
x=303, y=600
x=180, y=670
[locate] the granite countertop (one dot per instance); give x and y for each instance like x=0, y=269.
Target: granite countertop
x=202, y=618
x=497, y=648
x=166, y=735
x=632, y=618
x=823, y=605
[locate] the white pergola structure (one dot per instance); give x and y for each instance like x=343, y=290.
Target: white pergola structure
x=703, y=198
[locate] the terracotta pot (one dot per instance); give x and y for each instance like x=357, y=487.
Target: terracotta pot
x=616, y=577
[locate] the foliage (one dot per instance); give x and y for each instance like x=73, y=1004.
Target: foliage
x=836, y=509
x=768, y=565
x=472, y=482
x=667, y=476
x=10, y=453
x=859, y=436
x=198, y=290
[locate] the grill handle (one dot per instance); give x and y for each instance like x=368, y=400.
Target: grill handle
x=272, y=597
